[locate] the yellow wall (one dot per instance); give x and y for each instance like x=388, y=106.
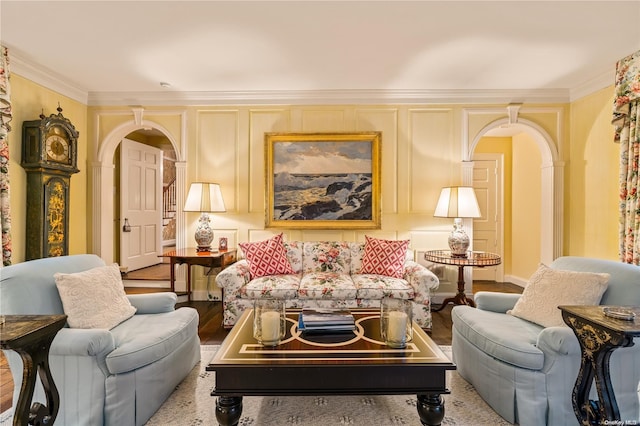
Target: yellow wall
x=28, y=100
x=226, y=145
x=420, y=154
x=526, y=195
x=591, y=189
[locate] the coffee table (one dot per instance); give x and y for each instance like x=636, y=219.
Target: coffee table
x=357, y=363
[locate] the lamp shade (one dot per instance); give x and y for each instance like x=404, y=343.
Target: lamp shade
x=204, y=197
x=457, y=201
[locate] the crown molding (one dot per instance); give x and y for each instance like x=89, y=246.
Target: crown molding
x=601, y=81
x=58, y=83
x=47, y=79
x=319, y=97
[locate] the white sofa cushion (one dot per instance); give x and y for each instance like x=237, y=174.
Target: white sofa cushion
x=276, y=286
x=326, y=256
x=375, y=287
x=326, y=285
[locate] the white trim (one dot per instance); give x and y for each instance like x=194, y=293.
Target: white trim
x=521, y=282
x=48, y=79
x=599, y=82
x=552, y=169
x=319, y=97
x=103, y=177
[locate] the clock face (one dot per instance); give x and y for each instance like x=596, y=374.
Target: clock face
x=57, y=148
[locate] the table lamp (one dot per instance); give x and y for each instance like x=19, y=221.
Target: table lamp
x=458, y=202
x=205, y=198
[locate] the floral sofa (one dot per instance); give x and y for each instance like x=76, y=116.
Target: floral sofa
x=327, y=275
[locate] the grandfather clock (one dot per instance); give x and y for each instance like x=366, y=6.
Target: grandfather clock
x=49, y=157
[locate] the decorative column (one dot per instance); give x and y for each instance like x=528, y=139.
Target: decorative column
x=102, y=183
x=181, y=217
x=467, y=180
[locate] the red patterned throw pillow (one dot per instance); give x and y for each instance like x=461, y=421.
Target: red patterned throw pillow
x=384, y=257
x=267, y=257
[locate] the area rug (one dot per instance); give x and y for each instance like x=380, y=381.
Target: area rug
x=191, y=405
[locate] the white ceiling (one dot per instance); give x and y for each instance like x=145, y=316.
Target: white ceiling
x=118, y=52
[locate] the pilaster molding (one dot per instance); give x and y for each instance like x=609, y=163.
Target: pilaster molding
x=181, y=197
x=102, y=230
x=467, y=223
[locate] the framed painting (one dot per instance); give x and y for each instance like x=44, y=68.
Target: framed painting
x=323, y=180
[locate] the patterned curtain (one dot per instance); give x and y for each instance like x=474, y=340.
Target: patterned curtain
x=626, y=117
x=5, y=118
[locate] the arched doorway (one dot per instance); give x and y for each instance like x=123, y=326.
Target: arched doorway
x=103, y=178
x=551, y=178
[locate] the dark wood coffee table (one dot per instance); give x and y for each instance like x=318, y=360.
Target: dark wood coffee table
x=341, y=364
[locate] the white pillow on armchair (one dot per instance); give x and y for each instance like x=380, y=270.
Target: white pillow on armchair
x=549, y=288
x=94, y=298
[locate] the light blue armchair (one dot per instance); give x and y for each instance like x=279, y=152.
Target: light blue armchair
x=526, y=372
x=105, y=377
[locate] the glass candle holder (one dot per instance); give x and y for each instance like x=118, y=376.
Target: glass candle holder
x=395, y=322
x=269, y=321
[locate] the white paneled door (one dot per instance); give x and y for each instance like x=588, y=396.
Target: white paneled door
x=487, y=230
x=140, y=205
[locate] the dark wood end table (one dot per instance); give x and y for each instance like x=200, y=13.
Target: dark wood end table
x=474, y=258
x=31, y=336
x=357, y=363
x=190, y=256
x=599, y=335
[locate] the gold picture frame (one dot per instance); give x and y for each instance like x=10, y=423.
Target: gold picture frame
x=323, y=180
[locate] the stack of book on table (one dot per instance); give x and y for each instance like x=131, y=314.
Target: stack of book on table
x=325, y=320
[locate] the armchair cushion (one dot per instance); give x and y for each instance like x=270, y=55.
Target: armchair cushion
x=548, y=288
x=501, y=336
x=94, y=298
x=163, y=334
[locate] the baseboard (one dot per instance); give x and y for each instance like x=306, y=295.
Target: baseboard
x=146, y=283
x=521, y=282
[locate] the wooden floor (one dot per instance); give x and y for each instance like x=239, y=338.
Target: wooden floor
x=211, y=331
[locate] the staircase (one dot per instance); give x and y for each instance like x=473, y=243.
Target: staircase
x=169, y=213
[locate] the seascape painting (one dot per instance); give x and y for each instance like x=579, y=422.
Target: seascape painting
x=323, y=180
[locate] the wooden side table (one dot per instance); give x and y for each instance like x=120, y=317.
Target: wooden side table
x=599, y=335
x=31, y=336
x=190, y=256
x=474, y=258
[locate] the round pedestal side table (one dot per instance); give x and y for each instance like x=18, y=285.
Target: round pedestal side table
x=473, y=258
